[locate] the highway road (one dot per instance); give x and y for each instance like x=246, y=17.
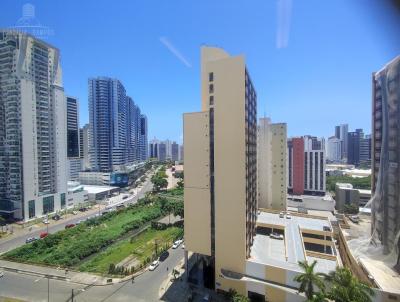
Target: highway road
x=8, y=244
x=145, y=287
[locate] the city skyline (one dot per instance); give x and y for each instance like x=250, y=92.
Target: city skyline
x=301, y=55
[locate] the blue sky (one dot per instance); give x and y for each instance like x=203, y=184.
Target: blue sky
x=310, y=60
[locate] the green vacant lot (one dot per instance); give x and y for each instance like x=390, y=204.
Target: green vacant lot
x=141, y=247
x=69, y=247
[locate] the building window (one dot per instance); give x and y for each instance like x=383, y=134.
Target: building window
x=211, y=100
x=31, y=208
x=211, y=77
x=211, y=88
x=62, y=200
x=48, y=204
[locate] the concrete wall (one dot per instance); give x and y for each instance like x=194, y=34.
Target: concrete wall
x=197, y=180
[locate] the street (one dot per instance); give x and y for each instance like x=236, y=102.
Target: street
x=145, y=287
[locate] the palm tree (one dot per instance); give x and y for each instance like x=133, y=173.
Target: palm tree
x=309, y=280
x=345, y=287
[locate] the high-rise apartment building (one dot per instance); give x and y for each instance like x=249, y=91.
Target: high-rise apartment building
x=306, y=166
x=386, y=155
x=153, y=148
x=221, y=168
x=365, y=151
x=33, y=128
x=341, y=133
x=162, y=151
x=181, y=153
x=353, y=147
x=271, y=165
x=174, y=151
x=143, y=152
x=115, y=126
x=334, y=149
x=73, y=139
x=84, y=147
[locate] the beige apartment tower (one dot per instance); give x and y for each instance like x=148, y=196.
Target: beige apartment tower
x=220, y=145
x=271, y=164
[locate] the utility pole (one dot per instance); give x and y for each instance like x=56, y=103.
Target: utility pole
x=48, y=288
x=72, y=296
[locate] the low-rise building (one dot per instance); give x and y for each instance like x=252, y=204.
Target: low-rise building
x=346, y=195
x=100, y=192
x=309, y=202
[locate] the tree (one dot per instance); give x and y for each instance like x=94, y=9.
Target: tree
x=178, y=209
x=309, y=280
x=159, y=183
x=345, y=287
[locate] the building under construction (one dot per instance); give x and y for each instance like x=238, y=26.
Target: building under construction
x=385, y=224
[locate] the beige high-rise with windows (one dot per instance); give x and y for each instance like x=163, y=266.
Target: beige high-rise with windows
x=271, y=165
x=231, y=244
x=220, y=167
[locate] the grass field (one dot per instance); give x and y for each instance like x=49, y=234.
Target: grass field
x=142, y=247
x=71, y=246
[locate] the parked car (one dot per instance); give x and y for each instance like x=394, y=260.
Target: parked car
x=206, y=298
x=74, y=212
x=70, y=225
x=175, y=245
x=1, y=274
x=56, y=217
x=154, y=265
x=30, y=239
x=326, y=228
x=354, y=218
x=281, y=214
x=43, y=235
x=183, y=246
x=45, y=221
x=275, y=235
x=83, y=209
x=288, y=216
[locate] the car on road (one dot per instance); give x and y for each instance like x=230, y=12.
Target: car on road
x=175, y=245
x=43, y=235
x=1, y=274
x=45, y=221
x=154, y=265
x=281, y=214
x=30, y=239
x=56, y=217
x=288, y=216
x=275, y=235
x=183, y=246
x=70, y=225
x=83, y=209
x=206, y=298
x=74, y=212
x=164, y=255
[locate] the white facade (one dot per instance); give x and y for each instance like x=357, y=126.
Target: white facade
x=271, y=162
x=314, y=165
x=334, y=150
x=33, y=176
x=74, y=167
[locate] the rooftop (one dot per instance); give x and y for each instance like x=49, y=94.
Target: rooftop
x=98, y=189
x=299, y=234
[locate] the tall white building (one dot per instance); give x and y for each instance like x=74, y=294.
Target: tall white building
x=334, y=149
x=84, y=147
x=314, y=164
x=271, y=165
x=33, y=128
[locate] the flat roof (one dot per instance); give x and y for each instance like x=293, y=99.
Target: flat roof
x=98, y=189
x=288, y=252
